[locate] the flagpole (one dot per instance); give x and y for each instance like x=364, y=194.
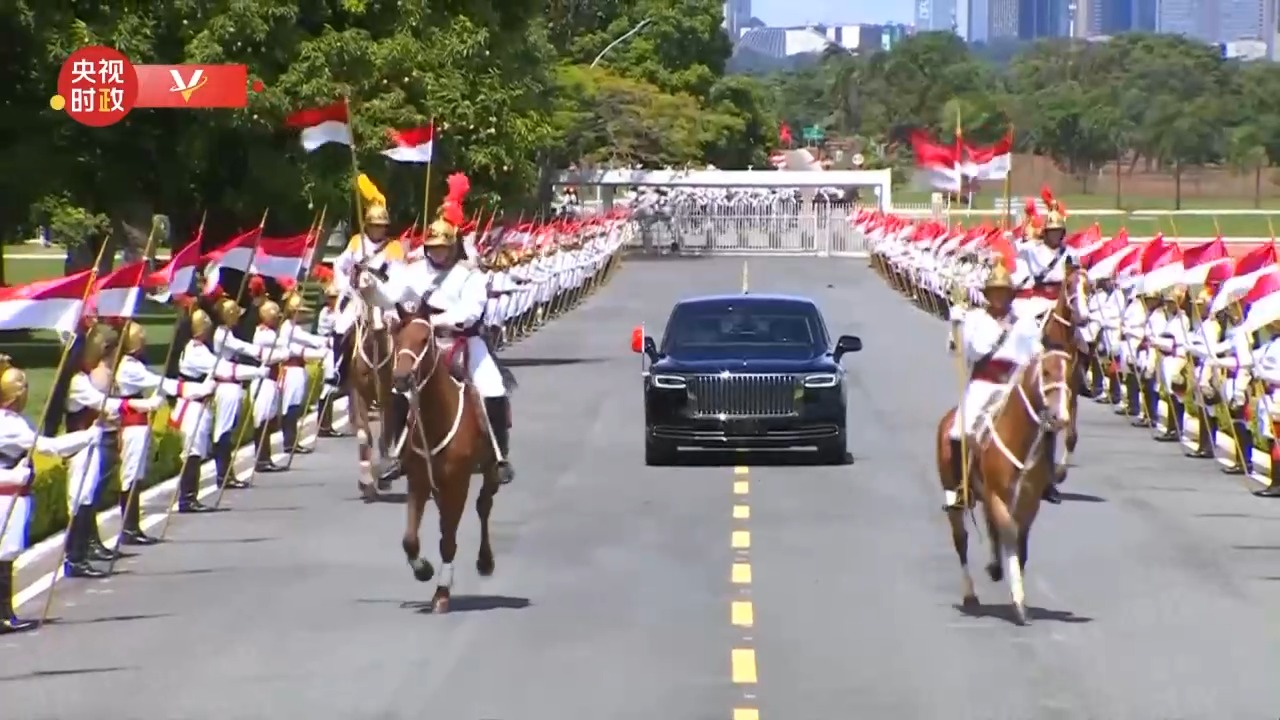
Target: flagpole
x=1008, y=186
x=97, y=446
x=204, y=405
x=62, y=361
x=297, y=439
x=136, y=488
x=426, y=190
x=355, y=167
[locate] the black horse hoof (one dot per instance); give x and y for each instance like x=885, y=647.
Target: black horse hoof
x=424, y=572
x=969, y=602
x=485, y=566
x=996, y=572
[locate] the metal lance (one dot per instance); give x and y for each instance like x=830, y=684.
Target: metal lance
x=62, y=362
x=204, y=406
x=102, y=409
x=136, y=490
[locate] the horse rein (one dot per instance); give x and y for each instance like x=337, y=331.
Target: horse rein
x=1042, y=391
x=431, y=352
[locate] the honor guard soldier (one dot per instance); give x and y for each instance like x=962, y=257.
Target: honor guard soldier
x=1042, y=267
x=133, y=381
x=86, y=401
x=371, y=249
x=205, y=388
x=326, y=327
x=1135, y=356
x=17, y=441
x=303, y=347
x=265, y=393
x=456, y=307
x=228, y=396
x=1266, y=370
x=994, y=344
x=1229, y=360
x=1170, y=342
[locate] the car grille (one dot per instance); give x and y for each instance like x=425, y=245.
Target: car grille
x=745, y=395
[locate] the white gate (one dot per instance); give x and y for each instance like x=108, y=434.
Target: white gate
x=788, y=227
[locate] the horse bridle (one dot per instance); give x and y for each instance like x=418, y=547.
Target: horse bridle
x=419, y=444
x=1042, y=391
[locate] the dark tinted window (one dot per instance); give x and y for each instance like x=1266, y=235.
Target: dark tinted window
x=729, y=324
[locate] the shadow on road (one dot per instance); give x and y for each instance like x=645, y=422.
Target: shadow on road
x=1004, y=612
x=1081, y=497
x=61, y=673
x=549, y=362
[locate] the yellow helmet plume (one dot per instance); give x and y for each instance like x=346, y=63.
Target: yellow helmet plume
x=370, y=192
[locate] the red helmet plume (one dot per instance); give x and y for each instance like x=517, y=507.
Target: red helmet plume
x=257, y=286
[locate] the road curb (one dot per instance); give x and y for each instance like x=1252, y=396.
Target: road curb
x=48, y=549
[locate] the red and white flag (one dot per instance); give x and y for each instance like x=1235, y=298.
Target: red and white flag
x=117, y=293
x=1201, y=260
x=940, y=162
x=270, y=257
x=1249, y=268
x=990, y=163
x=178, y=276
x=1263, y=300
x=411, y=146
x=321, y=126
x=46, y=304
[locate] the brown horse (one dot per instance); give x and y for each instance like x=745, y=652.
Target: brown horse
x=369, y=382
x=1061, y=331
x=1008, y=472
x=446, y=439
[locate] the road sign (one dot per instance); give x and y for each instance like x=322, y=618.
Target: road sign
x=813, y=132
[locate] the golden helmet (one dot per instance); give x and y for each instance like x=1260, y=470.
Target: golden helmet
x=377, y=215
x=331, y=291
x=1057, y=220
x=97, y=342
x=1176, y=294
x=269, y=313
x=201, y=323
x=999, y=279
x=227, y=311
x=291, y=303
x=1205, y=296
x=13, y=385
x=441, y=233
x=135, y=339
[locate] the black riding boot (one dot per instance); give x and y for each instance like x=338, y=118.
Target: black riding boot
x=262, y=441
x=1207, y=437
x=1272, y=490
x=397, y=419
x=291, y=420
x=131, y=519
x=189, y=487
x=957, y=473
x=1244, y=448
x=1049, y=446
x=1173, y=422
x=9, y=621
x=77, y=563
x=499, y=411
x=98, y=550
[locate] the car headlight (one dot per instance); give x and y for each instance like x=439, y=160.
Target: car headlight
x=822, y=380
x=669, y=382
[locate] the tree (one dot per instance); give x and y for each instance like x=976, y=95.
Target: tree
x=1247, y=153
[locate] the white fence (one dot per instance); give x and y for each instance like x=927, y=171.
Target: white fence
x=791, y=227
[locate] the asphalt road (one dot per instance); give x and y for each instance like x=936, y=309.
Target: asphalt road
x=618, y=586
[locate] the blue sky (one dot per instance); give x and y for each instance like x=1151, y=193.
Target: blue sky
x=846, y=12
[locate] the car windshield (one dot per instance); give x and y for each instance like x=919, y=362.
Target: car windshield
x=786, y=326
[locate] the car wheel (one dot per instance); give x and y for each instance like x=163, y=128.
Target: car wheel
x=658, y=454
x=834, y=451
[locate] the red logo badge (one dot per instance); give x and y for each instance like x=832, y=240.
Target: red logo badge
x=97, y=86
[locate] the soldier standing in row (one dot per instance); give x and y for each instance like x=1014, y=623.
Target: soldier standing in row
x=326, y=327
x=303, y=347
x=18, y=439
x=133, y=381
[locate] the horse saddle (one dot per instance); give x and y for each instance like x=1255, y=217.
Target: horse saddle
x=454, y=349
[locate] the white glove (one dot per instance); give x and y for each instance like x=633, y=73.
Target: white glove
x=261, y=373
x=148, y=404
x=365, y=282
x=204, y=389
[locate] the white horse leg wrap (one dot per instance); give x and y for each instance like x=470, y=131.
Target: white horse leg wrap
x=446, y=576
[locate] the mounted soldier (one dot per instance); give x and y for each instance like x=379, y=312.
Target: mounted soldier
x=453, y=291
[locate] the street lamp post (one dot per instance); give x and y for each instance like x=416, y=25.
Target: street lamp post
x=639, y=26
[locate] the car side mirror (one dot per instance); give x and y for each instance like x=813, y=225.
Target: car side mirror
x=847, y=344
x=651, y=349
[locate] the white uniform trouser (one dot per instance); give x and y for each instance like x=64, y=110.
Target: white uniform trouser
x=980, y=397
x=1267, y=408
x=1232, y=389
x=14, y=540
x=266, y=400
x=135, y=444
x=294, y=388
x=195, y=422
x=84, y=472
x=329, y=369
x=483, y=369
x=226, y=408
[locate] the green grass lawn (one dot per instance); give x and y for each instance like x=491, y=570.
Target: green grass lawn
x=1253, y=224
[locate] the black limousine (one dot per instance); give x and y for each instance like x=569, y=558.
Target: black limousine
x=744, y=372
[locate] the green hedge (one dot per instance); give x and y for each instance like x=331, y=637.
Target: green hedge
x=49, y=493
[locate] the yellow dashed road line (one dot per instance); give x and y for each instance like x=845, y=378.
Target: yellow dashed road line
x=742, y=658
